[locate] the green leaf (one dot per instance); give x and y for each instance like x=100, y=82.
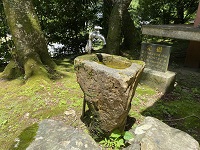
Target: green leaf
x=128, y=135
x=121, y=142
x=102, y=142
x=115, y=134
x=108, y=142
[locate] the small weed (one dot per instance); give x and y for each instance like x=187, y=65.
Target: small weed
x=134, y=114
x=3, y=122
x=117, y=139
x=62, y=102
x=195, y=90
x=136, y=101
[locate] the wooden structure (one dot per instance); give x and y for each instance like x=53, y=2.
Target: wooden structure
x=193, y=51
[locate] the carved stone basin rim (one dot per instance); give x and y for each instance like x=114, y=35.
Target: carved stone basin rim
x=115, y=65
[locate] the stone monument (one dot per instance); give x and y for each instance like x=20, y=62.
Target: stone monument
x=109, y=83
x=156, y=72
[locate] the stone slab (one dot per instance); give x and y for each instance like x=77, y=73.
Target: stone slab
x=162, y=81
x=185, y=32
x=155, y=56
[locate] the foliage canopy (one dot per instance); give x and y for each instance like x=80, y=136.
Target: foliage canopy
x=167, y=11
x=5, y=41
x=67, y=22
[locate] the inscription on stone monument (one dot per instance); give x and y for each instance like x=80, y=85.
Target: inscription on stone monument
x=155, y=56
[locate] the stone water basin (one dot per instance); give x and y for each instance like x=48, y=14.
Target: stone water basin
x=108, y=83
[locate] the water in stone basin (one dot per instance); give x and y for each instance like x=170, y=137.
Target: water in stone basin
x=113, y=62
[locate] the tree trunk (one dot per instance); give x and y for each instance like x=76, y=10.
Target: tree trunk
x=114, y=30
x=107, y=7
x=131, y=39
x=30, y=55
x=115, y=24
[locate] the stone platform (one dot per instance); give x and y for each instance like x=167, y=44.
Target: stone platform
x=162, y=81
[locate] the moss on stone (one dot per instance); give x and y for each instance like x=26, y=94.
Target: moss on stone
x=112, y=61
x=25, y=138
x=138, y=62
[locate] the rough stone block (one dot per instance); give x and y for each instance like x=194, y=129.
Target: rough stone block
x=109, y=84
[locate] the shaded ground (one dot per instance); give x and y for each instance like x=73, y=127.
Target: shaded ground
x=181, y=107
x=22, y=105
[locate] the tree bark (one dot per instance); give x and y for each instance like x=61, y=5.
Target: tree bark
x=131, y=38
x=30, y=55
x=114, y=37
x=114, y=30
x=107, y=7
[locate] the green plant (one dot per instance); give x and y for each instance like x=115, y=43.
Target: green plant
x=195, y=90
x=62, y=102
x=117, y=139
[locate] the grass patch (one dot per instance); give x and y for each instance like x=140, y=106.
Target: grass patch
x=22, y=105
x=181, y=114
x=25, y=138
x=180, y=108
x=144, y=90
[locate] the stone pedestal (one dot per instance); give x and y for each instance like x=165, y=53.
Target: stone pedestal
x=162, y=81
x=109, y=83
x=156, y=74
